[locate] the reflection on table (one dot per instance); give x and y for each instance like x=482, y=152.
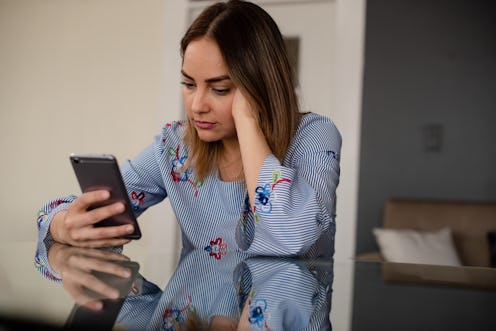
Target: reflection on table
x=236, y=291
x=232, y=291
x=210, y=293
x=406, y=296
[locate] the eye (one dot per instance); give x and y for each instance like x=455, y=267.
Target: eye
x=221, y=91
x=188, y=85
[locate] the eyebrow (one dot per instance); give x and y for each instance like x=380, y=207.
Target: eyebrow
x=210, y=80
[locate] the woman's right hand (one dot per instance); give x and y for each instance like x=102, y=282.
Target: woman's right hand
x=79, y=269
x=74, y=226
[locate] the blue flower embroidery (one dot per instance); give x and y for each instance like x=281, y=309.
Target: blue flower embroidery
x=333, y=154
x=178, y=173
x=174, y=316
x=257, y=312
x=265, y=194
x=262, y=198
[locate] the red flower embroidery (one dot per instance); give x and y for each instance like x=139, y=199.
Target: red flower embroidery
x=217, y=248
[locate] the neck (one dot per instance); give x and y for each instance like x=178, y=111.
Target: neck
x=229, y=162
x=230, y=151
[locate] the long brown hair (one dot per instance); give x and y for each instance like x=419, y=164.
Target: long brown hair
x=255, y=54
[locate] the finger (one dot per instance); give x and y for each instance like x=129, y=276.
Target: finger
x=88, y=198
x=101, y=254
x=74, y=281
x=88, y=299
x=93, y=305
x=79, y=294
x=83, y=218
x=99, y=214
x=92, y=253
x=107, y=232
x=99, y=287
x=101, y=233
x=83, y=297
x=105, y=266
x=103, y=243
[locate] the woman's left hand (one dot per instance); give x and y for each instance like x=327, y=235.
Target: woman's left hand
x=241, y=108
x=253, y=144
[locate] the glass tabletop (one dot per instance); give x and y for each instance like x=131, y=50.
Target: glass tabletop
x=236, y=291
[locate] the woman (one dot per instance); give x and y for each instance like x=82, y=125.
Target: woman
x=245, y=171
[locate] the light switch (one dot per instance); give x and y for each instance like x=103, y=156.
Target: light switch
x=433, y=138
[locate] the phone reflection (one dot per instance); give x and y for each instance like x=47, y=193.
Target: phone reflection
x=98, y=280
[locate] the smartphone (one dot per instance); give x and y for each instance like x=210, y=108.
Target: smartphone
x=81, y=318
x=101, y=171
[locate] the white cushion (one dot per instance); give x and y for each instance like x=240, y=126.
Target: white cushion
x=423, y=247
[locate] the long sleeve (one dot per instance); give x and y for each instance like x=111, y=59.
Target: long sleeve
x=296, y=200
x=45, y=240
x=143, y=179
x=282, y=294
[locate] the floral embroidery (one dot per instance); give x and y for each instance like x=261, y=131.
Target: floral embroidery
x=37, y=261
x=41, y=217
x=217, y=248
x=263, y=198
x=137, y=200
x=333, y=154
x=168, y=125
x=265, y=194
x=43, y=269
x=178, y=123
x=258, y=312
x=164, y=140
x=173, y=316
x=56, y=203
x=178, y=173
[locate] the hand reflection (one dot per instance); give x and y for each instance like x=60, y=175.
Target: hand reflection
x=89, y=275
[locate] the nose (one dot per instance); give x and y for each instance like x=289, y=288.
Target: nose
x=199, y=104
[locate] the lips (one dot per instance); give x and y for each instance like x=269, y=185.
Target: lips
x=204, y=125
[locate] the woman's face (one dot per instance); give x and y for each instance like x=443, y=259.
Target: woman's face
x=208, y=91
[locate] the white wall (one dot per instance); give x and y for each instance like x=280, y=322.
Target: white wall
x=346, y=94
x=78, y=76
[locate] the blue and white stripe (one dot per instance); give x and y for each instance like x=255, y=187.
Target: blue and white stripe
x=303, y=210
x=294, y=299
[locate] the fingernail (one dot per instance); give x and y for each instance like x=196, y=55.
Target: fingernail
x=126, y=273
x=129, y=229
x=119, y=207
x=97, y=305
x=115, y=295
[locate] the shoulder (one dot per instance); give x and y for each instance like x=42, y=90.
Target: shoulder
x=174, y=129
x=171, y=135
x=316, y=135
x=315, y=129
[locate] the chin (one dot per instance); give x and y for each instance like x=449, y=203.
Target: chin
x=208, y=138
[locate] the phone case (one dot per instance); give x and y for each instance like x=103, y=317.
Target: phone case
x=101, y=171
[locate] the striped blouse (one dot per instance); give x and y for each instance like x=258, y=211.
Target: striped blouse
x=295, y=204
x=280, y=294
